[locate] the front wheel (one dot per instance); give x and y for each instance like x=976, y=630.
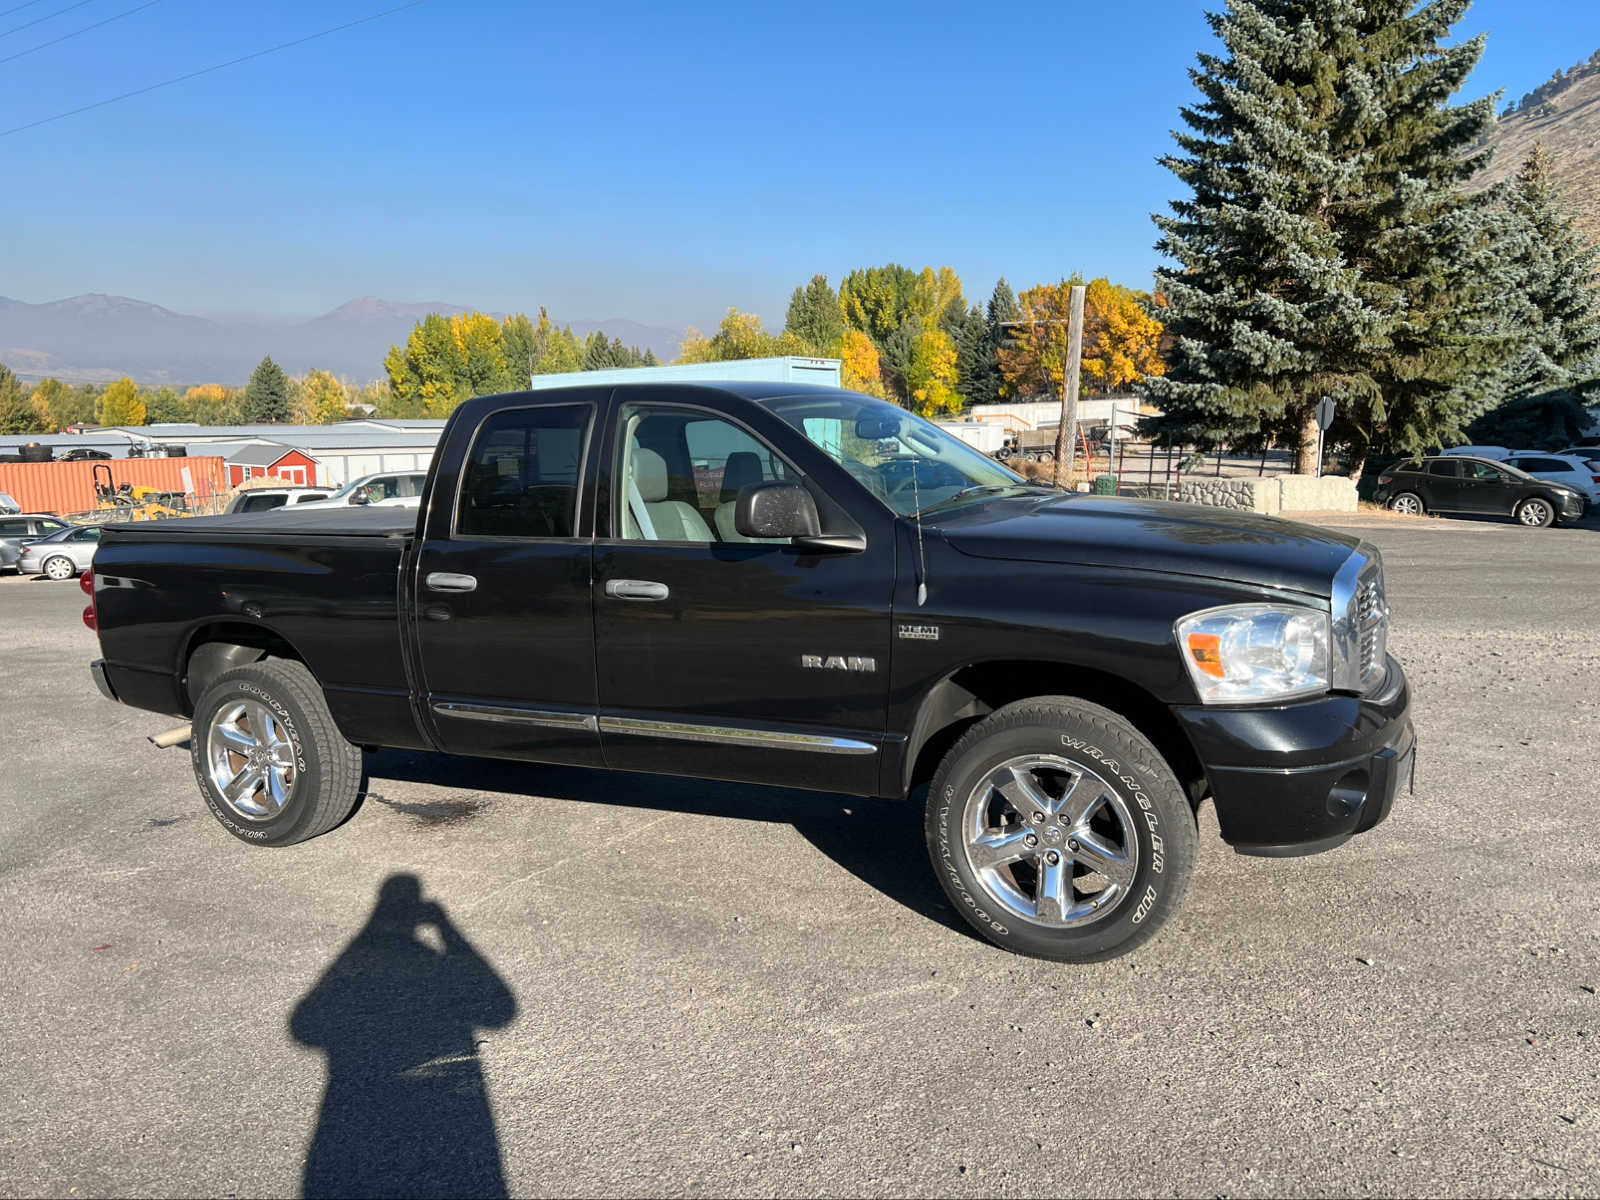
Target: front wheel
x=1536, y=513
x=273, y=767
x=59, y=567
x=1408, y=504
x=1059, y=831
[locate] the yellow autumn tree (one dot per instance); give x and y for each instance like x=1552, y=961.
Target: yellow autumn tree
x=324, y=399
x=931, y=376
x=121, y=404
x=1122, y=341
x=860, y=366
x=209, y=404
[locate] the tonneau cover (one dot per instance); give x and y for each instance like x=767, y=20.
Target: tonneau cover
x=292, y=521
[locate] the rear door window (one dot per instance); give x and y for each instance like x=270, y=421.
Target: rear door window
x=521, y=477
x=261, y=503
x=1447, y=467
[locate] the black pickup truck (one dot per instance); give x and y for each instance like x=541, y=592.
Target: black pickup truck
x=793, y=586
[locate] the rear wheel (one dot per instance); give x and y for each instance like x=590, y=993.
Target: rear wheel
x=1408, y=504
x=59, y=566
x=272, y=765
x=1058, y=830
x=1536, y=513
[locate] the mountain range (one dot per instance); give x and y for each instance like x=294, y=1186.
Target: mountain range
x=1565, y=116
x=97, y=338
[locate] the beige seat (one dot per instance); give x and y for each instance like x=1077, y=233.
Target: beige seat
x=743, y=469
x=662, y=520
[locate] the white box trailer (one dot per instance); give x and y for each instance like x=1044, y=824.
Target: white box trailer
x=986, y=437
x=785, y=369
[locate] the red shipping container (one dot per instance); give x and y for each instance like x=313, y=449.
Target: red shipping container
x=68, y=487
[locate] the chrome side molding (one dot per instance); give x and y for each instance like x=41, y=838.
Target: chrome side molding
x=544, y=718
x=731, y=735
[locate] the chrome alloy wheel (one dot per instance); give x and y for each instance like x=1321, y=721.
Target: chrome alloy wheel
x=1050, y=841
x=251, y=757
x=58, y=568
x=1534, y=513
x=1406, y=504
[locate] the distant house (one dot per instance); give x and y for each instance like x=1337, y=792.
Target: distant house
x=259, y=459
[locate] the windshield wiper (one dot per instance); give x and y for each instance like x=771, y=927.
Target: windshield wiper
x=976, y=489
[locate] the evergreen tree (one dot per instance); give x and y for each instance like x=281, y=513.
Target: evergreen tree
x=815, y=316
x=1326, y=248
x=1551, y=381
x=266, y=396
x=972, y=343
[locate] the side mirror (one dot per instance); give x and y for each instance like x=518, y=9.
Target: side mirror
x=776, y=510
x=786, y=510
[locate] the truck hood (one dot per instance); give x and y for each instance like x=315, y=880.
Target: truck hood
x=1150, y=535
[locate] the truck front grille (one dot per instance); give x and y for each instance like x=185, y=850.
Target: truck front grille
x=1372, y=622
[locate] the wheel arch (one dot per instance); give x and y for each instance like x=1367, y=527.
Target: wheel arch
x=213, y=648
x=970, y=693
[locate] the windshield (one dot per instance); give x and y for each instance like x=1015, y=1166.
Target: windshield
x=910, y=464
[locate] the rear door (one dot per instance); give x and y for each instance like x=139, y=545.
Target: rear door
x=1442, y=484
x=504, y=620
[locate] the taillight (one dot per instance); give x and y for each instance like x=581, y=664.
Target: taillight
x=1383, y=479
x=90, y=617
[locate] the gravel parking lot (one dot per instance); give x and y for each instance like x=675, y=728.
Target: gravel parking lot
x=663, y=987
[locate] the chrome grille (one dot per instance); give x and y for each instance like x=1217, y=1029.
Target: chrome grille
x=1370, y=612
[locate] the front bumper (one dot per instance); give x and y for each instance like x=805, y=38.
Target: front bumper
x=1305, y=777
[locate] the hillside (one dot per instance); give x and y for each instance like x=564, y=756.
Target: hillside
x=1564, y=114
x=95, y=339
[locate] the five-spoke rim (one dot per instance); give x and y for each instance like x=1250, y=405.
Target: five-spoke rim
x=251, y=758
x=1535, y=512
x=1050, y=841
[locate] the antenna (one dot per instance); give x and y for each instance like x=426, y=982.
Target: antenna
x=922, y=556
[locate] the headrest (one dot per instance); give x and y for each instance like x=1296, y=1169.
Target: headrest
x=649, y=475
x=743, y=470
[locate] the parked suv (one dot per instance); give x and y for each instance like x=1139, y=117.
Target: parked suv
x=391, y=489
x=20, y=528
x=260, y=499
x=1574, y=470
x=1455, y=483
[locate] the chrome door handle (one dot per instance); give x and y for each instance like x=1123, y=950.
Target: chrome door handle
x=636, y=589
x=447, y=581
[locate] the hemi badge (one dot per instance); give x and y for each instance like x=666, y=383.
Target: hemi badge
x=920, y=633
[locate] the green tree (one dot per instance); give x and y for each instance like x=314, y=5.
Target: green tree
x=740, y=336
x=876, y=300
x=166, y=405
x=932, y=374
x=121, y=404
x=266, y=396
x=17, y=411
x=815, y=317
x=1326, y=248
x=1552, y=379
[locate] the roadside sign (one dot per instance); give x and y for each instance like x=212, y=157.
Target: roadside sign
x=1325, y=412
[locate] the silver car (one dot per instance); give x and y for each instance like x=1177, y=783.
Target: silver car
x=61, y=555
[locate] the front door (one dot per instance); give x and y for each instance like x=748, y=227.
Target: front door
x=505, y=624
x=1485, y=488
x=720, y=656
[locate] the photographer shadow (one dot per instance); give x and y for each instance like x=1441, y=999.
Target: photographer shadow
x=405, y=1111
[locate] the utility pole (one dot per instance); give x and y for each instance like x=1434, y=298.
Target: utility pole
x=1067, y=432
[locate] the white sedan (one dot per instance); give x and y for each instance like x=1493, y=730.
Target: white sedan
x=1582, y=474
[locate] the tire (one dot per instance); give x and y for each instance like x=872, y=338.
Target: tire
x=1535, y=513
x=59, y=567
x=1138, y=810
x=308, y=779
x=1408, y=503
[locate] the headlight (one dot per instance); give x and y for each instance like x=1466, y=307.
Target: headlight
x=1248, y=652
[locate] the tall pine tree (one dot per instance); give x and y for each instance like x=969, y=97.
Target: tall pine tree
x=1552, y=381
x=266, y=396
x=815, y=316
x=1326, y=249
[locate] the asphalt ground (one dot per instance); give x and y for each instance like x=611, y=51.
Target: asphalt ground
x=609, y=984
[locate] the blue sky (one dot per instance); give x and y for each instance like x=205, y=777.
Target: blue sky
x=627, y=159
